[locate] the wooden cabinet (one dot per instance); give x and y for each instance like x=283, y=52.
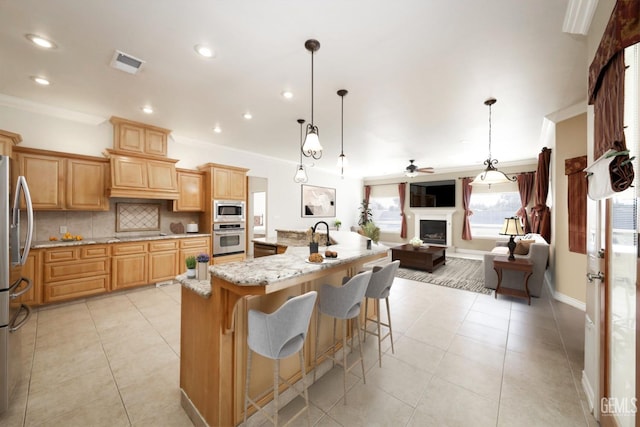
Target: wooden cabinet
x=7, y=141
x=86, y=182
x=75, y=271
x=138, y=137
x=266, y=249
x=45, y=175
x=33, y=271
x=229, y=183
x=163, y=260
x=135, y=176
x=129, y=265
x=190, y=191
x=192, y=246
x=228, y=258
x=63, y=182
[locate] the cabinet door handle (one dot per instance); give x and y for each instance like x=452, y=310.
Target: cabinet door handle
x=599, y=276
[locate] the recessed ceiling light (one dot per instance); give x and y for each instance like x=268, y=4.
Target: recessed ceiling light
x=247, y=116
x=41, y=80
x=217, y=129
x=204, y=50
x=41, y=41
x=147, y=109
x=287, y=95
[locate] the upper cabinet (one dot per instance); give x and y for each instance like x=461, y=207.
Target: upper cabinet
x=191, y=190
x=59, y=181
x=139, y=138
x=226, y=182
x=7, y=141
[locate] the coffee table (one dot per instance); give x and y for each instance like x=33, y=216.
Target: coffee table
x=426, y=258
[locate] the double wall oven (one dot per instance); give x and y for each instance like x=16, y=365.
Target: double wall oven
x=228, y=227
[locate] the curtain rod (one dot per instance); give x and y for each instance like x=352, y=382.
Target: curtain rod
x=510, y=173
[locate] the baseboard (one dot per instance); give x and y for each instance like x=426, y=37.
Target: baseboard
x=565, y=298
x=192, y=412
x=588, y=391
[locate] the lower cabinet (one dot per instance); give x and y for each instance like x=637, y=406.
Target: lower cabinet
x=163, y=260
x=192, y=246
x=228, y=258
x=129, y=266
x=75, y=271
x=33, y=271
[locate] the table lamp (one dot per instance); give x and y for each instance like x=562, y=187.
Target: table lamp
x=512, y=227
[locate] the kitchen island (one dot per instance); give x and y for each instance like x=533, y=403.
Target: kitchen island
x=213, y=347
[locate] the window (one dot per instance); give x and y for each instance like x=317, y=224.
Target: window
x=490, y=210
x=384, y=203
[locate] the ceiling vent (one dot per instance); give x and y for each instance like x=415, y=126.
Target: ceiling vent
x=125, y=62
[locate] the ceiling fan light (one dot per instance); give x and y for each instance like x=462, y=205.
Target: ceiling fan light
x=301, y=175
x=411, y=174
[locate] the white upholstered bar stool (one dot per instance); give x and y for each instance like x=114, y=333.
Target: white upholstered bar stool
x=379, y=288
x=342, y=302
x=276, y=336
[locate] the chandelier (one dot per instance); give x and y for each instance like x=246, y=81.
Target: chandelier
x=491, y=175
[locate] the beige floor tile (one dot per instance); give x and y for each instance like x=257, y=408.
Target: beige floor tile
x=15, y=414
x=482, y=333
x=477, y=377
x=399, y=379
x=100, y=413
x=446, y=404
x=432, y=335
x=477, y=351
x=543, y=412
x=328, y=389
x=490, y=305
x=158, y=360
x=490, y=320
x=148, y=396
x=369, y=406
x=418, y=354
x=286, y=413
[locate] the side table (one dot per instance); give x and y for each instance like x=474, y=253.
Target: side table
x=524, y=265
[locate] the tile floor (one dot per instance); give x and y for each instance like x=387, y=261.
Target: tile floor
x=460, y=359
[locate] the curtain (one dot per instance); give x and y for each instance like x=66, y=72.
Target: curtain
x=402, y=193
x=541, y=215
x=577, y=203
x=525, y=188
x=367, y=193
x=466, y=199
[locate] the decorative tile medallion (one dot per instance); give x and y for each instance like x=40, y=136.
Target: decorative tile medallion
x=137, y=216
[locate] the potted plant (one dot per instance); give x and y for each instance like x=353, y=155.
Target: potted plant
x=203, y=264
x=337, y=223
x=372, y=231
x=190, y=261
x=365, y=213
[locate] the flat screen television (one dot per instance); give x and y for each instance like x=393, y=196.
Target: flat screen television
x=433, y=194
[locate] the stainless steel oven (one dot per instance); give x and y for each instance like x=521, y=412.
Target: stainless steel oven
x=228, y=238
x=228, y=211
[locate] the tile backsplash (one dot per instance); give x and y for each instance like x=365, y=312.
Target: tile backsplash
x=103, y=223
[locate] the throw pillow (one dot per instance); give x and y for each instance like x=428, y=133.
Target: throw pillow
x=522, y=247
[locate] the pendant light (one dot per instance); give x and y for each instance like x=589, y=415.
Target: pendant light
x=311, y=146
x=491, y=175
x=301, y=174
x=342, y=159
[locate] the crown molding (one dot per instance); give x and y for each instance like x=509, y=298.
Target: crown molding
x=48, y=110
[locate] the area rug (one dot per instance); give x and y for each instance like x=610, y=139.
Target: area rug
x=459, y=273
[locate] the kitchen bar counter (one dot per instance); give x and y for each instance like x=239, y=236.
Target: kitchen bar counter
x=213, y=322
x=106, y=240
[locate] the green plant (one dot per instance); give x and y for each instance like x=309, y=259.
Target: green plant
x=337, y=223
x=365, y=213
x=371, y=230
x=190, y=261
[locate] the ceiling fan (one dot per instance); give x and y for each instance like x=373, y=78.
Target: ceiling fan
x=413, y=170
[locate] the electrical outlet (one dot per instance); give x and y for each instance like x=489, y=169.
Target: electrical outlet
x=63, y=229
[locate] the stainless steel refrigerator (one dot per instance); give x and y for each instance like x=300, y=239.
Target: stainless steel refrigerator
x=14, y=249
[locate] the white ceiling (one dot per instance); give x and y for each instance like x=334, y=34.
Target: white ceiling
x=417, y=72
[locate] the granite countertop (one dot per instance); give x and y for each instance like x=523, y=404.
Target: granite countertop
x=112, y=239
x=275, y=268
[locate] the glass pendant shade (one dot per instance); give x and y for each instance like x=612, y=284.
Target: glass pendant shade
x=343, y=162
x=491, y=176
x=311, y=146
x=301, y=175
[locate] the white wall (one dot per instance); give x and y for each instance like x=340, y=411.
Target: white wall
x=47, y=132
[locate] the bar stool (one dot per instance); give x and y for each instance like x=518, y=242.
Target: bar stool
x=277, y=336
x=379, y=288
x=342, y=303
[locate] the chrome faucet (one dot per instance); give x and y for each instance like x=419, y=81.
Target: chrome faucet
x=327, y=225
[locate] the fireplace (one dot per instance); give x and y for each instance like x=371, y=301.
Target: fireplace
x=438, y=226
x=433, y=231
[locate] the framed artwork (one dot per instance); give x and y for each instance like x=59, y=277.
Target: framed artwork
x=318, y=202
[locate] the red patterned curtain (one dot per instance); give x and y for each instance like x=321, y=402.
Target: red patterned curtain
x=606, y=75
x=402, y=193
x=577, y=203
x=466, y=199
x=541, y=215
x=525, y=188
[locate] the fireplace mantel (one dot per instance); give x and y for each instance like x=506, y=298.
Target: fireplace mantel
x=437, y=214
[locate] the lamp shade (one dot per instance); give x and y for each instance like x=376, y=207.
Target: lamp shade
x=311, y=144
x=489, y=177
x=301, y=175
x=512, y=227
x=342, y=161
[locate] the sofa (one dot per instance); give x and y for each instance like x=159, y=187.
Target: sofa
x=537, y=253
